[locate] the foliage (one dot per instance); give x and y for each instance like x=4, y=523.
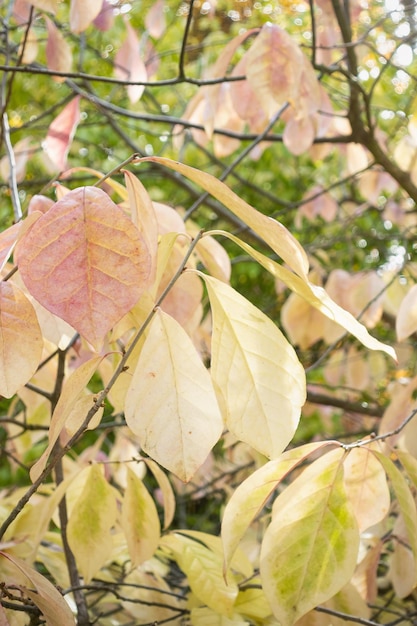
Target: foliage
x=208, y=389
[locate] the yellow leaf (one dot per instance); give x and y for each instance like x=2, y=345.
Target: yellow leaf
x=171, y=405
x=85, y=261
x=273, y=232
x=140, y=520
x=310, y=549
x=168, y=495
x=259, y=381
x=83, y=13
x=203, y=616
x=20, y=339
x=90, y=523
x=249, y=498
x=406, y=322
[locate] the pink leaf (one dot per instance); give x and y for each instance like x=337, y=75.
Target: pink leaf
x=130, y=65
x=58, y=52
x=7, y=242
x=155, y=20
x=39, y=203
x=61, y=133
x=82, y=13
x=299, y=135
x=104, y=20
x=85, y=261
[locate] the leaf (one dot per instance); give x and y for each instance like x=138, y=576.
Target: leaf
x=140, y=520
x=90, y=523
x=168, y=496
x=203, y=616
x=71, y=392
x=310, y=549
x=273, y=232
x=249, y=498
x=316, y=296
x=61, y=133
x=21, y=341
x=44, y=595
x=155, y=21
x=366, y=487
x=83, y=13
x=129, y=65
x=259, y=381
x=8, y=239
x=51, y=6
x=3, y=617
x=58, y=52
x=171, y=405
x=406, y=322
x=203, y=569
x=86, y=262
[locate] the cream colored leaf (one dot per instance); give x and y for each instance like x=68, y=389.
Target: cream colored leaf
x=401, y=563
x=273, y=232
x=167, y=492
x=20, y=339
x=8, y=239
x=90, y=524
x=72, y=389
x=214, y=258
x=85, y=262
x=259, y=381
x=250, y=497
x=316, y=296
x=310, y=549
x=171, y=405
x=44, y=594
x=82, y=13
x=203, y=569
x=366, y=487
x=406, y=322
x=140, y=520
x=50, y=6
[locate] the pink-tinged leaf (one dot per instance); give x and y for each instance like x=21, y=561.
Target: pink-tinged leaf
x=366, y=487
x=129, y=65
x=214, y=258
x=39, y=203
x=8, y=240
x=302, y=322
x=140, y=521
x=43, y=593
x=155, y=21
x=272, y=231
x=3, y=617
x=245, y=100
x=406, y=322
x=402, y=404
x=50, y=6
x=226, y=117
x=20, y=339
x=22, y=150
x=72, y=390
x=183, y=302
x=86, y=262
x=82, y=13
x=58, y=51
x=104, y=20
x=61, y=133
x=321, y=204
x=299, y=134
x=21, y=11
x=171, y=405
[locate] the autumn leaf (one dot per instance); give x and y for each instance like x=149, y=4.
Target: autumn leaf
x=129, y=65
x=83, y=13
x=259, y=381
x=155, y=20
x=406, y=321
x=86, y=262
x=310, y=549
x=170, y=404
x=61, y=133
x=58, y=51
x=21, y=341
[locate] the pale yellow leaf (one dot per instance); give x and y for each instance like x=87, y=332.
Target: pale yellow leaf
x=406, y=322
x=259, y=381
x=171, y=405
x=140, y=520
x=204, y=572
x=149, y=599
x=168, y=496
x=72, y=389
x=273, y=232
x=50, y=6
x=77, y=415
x=401, y=564
x=203, y=616
x=20, y=339
x=82, y=13
x=366, y=487
x=214, y=258
x=90, y=524
x=43, y=593
x=310, y=549
x=250, y=497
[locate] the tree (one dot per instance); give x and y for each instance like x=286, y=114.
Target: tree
x=208, y=389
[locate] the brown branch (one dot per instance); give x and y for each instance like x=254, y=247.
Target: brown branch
x=346, y=405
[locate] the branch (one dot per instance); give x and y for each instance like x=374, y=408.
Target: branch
x=346, y=405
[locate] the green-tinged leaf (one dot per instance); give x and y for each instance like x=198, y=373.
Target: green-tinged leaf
x=314, y=295
x=72, y=390
x=405, y=501
x=20, y=339
x=259, y=381
x=204, y=571
x=203, y=616
x=140, y=520
x=167, y=492
x=310, y=549
x=409, y=462
x=90, y=523
x=250, y=497
x=239, y=561
x=251, y=601
x=273, y=232
x=171, y=405
x=42, y=593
